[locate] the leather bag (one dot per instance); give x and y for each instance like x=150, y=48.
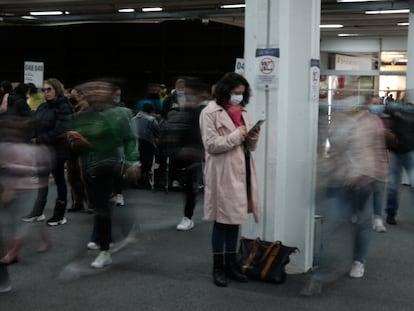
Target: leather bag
x=265, y=261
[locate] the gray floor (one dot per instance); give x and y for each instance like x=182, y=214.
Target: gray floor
x=169, y=270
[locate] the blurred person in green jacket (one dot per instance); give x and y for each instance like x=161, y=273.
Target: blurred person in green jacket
x=101, y=131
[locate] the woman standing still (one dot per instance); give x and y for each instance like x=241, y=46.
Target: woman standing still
x=230, y=178
x=52, y=121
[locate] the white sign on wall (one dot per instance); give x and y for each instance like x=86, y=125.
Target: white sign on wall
x=239, y=68
x=33, y=73
x=267, y=67
x=315, y=73
x=344, y=62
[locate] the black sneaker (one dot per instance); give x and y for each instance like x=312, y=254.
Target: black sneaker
x=56, y=221
x=391, y=220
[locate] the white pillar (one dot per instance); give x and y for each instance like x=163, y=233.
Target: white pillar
x=286, y=154
x=409, y=95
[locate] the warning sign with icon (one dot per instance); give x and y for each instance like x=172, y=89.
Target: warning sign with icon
x=267, y=61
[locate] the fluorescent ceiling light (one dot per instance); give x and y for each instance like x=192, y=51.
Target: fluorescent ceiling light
x=388, y=11
x=232, y=6
x=126, y=10
x=348, y=35
x=331, y=26
x=356, y=0
x=155, y=9
x=28, y=17
x=46, y=13
x=403, y=24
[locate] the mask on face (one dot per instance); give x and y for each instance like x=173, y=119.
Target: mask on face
x=376, y=109
x=117, y=100
x=179, y=93
x=236, y=99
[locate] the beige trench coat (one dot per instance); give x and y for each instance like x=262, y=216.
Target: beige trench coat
x=225, y=195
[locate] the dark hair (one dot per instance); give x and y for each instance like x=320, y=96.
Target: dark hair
x=21, y=89
x=32, y=88
x=148, y=107
x=7, y=86
x=226, y=84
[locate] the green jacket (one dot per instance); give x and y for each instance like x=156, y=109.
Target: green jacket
x=109, y=134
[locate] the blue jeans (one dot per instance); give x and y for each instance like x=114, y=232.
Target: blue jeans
x=378, y=197
x=346, y=230
x=398, y=161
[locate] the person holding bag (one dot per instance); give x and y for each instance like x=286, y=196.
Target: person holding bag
x=230, y=176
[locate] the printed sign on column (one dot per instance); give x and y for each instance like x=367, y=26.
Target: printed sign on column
x=315, y=73
x=239, y=68
x=33, y=73
x=267, y=61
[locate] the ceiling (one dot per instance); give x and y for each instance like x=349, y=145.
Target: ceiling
x=351, y=15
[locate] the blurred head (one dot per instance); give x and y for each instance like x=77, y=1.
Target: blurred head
x=22, y=89
x=148, y=108
x=6, y=87
x=180, y=87
x=53, y=89
x=32, y=88
x=98, y=92
x=162, y=90
x=232, y=88
x=117, y=96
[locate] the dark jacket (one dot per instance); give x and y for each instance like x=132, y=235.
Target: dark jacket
x=17, y=106
x=51, y=122
x=402, y=126
x=180, y=136
x=170, y=103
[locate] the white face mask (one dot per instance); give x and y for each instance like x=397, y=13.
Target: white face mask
x=179, y=93
x=236, y=99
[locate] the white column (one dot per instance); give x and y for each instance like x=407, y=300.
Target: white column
x=410, y=57
x=286, y=154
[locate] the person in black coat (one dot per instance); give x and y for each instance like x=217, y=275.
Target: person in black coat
x=51, y=122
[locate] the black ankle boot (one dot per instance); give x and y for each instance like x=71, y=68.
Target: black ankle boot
x=232, y=270
x=219, y=276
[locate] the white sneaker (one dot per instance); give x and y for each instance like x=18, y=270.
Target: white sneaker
x=357, y=270
x=103, y=259
x=93, y=246
x=31, y=218
x=119, y=200
x=185, y=224
x=378, y=224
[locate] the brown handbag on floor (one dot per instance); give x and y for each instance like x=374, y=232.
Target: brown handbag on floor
x=262, y=260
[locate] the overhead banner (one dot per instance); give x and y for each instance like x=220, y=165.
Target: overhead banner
x=267, y=68
x=33, y=73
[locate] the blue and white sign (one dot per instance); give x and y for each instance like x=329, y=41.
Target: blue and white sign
x=267, y=68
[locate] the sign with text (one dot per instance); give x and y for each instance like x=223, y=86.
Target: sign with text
x=239, y=68
x=267, y=67
x=33, y=73
x=315, y=73
x=345, y=62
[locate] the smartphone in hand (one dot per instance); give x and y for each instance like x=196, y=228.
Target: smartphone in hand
x=257, y=125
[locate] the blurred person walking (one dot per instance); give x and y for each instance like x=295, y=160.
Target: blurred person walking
x=101, y=131
x=230, y=176
x=402, y=154
x=357, y=161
